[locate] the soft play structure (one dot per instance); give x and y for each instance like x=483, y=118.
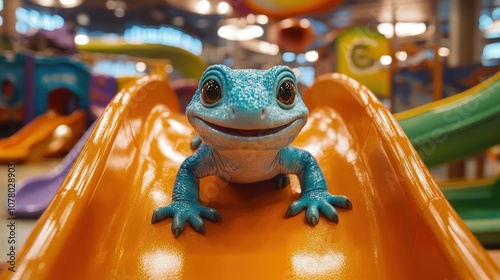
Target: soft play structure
x=50, y=95
x=34, y=194
x=401, y=224
x=12, y=69
x=49, y=134
x=39, y=83
x=55, y=97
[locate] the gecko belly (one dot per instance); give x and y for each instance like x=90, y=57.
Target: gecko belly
x=248, y=166
x=248, y=176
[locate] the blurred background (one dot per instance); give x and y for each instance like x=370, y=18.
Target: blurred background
x=438, y=48
x=76, y=54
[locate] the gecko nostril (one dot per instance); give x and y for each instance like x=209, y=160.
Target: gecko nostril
x=263, y=113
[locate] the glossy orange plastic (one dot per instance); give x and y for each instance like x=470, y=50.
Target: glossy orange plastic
x=49, y=134
x=400, y=227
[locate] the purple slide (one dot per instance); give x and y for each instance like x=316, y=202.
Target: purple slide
x=35, y=193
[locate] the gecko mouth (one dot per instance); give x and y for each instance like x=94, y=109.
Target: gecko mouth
x=247, y=132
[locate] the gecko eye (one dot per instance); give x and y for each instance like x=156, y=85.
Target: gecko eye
x=286, y=94
x=211, y=92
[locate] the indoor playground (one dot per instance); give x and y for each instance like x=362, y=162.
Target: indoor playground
x=249, y=139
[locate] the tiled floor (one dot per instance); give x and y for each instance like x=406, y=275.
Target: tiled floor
x=24, y=227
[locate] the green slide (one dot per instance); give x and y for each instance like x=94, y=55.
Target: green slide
x=188, y=64
x=456, y=127
x=478, y=204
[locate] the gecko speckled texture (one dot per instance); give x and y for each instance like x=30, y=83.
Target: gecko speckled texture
x=256, y=111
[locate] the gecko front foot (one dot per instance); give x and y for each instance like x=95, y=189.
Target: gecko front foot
x=182, y=211
x=319, y=201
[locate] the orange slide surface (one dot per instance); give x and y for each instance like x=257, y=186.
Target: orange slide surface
x=49, y=134
x=400, y=227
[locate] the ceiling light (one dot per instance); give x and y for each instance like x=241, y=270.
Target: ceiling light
x=169, y=68
x=287, y=23
x=235, y=33
x=203, y=6
x=81, y=39
x=68, y=2
x=403, y=29
x=178, y=21
x=262, y=47
x=119, y=12
x=250, y=18
x=311, y=56
x=111, y=4
x=261, y=19
x=401, y=56
x=443, y=51
x=46, y=3
x=385, y=60
x=82, y=19
x=140, y=67
x=120, y=4
x=58, y=3
x=268, y=48
x=223, y=8
x=304, y=23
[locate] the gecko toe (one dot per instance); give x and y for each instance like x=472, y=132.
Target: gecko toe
x=202, y=229
x=177, y=232
x=313, y=220
x=348, y=204
x=335, y=219
x=217, y=217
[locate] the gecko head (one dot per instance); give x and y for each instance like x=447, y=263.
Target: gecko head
x=247, y=108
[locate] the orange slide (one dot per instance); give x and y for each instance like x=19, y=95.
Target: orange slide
x=49, y=134
x=400, y=227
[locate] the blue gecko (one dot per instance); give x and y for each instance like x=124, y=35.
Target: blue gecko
x=257, y=111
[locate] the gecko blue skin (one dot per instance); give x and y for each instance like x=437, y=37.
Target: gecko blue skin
x=245, y=121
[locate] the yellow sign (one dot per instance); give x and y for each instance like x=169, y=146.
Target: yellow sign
x=364, y=55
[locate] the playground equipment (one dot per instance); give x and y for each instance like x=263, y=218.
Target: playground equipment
x=50, y=95
x=401, y=224
x=188, y=64
x=49, y=134
x=478, y=204
x=456, y=127
x=34, y=194
x=39, y=83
